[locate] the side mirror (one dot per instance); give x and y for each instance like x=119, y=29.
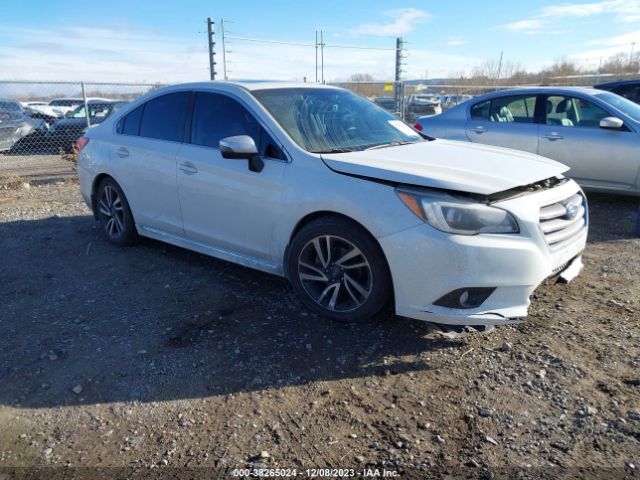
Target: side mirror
x=611, y=123
x=242, y=147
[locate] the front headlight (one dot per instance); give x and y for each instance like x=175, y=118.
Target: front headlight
x=458, y=215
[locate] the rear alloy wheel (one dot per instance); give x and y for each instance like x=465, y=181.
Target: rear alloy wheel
x=339, y=270
x=114, y=214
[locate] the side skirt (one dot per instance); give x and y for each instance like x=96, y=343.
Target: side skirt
x=210, y=250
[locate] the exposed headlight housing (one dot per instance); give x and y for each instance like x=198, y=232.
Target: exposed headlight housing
x=458, y=215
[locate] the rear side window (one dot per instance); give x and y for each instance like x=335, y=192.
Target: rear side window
x=217, y=116
x=131, y=122
x=481, y=111
x=163, y=117
x=517, y=108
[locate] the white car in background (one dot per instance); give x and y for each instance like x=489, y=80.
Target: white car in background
x=59, y=107
x=321, y=186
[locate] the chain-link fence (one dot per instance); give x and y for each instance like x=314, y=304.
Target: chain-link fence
x=41, y=121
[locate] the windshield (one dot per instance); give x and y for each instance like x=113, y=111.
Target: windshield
x=324, y=120
x=96, y=111
x=61, y=102
x=629, y=108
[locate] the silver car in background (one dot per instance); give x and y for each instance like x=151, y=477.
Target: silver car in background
x=596, y=133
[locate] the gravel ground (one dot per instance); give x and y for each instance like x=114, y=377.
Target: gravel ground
x=153, y=357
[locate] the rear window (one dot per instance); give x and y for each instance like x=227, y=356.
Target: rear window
x=131, y=122
x=481, y=111
x=163, y=117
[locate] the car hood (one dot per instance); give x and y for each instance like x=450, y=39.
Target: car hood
x=449, y=165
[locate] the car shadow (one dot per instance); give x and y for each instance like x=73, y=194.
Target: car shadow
x=154, y=322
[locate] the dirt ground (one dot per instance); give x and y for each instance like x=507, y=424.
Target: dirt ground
x=153, y=361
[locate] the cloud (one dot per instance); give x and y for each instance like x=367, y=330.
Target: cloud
x=607, y=47
x=456, y=42
x=113, y=54
x=402, y=21
x=623, y=10
x=525, y=26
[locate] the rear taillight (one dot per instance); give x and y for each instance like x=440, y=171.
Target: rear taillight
x=418, y=127
x=81, y=143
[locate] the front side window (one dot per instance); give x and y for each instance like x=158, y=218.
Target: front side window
x=573, y=112
x=217, y=116
x=327, y=120
x=163, y=117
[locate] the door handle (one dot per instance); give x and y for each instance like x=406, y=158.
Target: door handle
x=188, y=168
x=553, y=136
x=122, y=152
x=479, y=130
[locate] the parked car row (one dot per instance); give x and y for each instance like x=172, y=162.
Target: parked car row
x=57, y=124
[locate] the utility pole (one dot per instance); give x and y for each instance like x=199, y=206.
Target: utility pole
x=633, y=44
x=212, y=47
x=499, y=69
x=224, y=50
x=322, y=56
x=316, y=56
x=398, y=77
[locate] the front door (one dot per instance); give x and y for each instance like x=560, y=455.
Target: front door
x=224, y=203
x=597, y=157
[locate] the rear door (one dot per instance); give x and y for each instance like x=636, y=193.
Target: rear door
x=504, y=122
x=143, y=156
x=598, y=157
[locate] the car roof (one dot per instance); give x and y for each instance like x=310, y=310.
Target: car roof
x=617, y=83
x=539, y=90
x=250, y=85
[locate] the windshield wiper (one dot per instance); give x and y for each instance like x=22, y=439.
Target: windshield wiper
x=336, y=150
x=390, y=144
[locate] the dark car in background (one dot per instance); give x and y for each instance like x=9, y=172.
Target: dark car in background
x=64, y=133
x=388, y=103
x=629, y=89
x=16, y=125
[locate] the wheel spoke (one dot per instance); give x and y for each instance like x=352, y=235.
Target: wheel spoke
x=354, y=252
x=110, y=225
x=118, y=223
x=104, y=209
x=326, y=291
x=334, y=297
x=313, y=278
x=358, y=287
x=323, y=260
x=350, y=292
x=117, y=204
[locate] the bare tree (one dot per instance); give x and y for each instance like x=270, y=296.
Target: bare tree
x=361, y=77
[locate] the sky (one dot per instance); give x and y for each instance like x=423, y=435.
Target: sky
x=166, y=41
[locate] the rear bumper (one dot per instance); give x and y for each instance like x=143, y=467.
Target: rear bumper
x=426, y=264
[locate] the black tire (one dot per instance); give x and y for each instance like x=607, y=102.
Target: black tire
x=317, y=276
x=114, y=214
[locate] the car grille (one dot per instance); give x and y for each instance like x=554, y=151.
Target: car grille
x=563, y=220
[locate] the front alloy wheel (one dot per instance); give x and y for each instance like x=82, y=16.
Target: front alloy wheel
x=335, y=273
x=338, y=270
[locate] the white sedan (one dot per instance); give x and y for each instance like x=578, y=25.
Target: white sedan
x=321, y=186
